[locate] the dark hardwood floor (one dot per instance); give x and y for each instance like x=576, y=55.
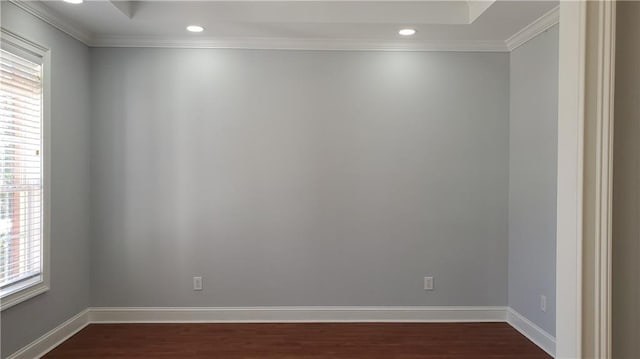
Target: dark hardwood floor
x=304, y=340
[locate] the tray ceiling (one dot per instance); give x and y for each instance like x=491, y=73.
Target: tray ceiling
x=440, y=25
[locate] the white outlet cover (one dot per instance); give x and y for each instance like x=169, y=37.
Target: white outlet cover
x=428, y=283
x=543, y=303
x=197, y=283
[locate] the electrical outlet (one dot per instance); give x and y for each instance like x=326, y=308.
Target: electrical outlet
x=543, y=303
x=428, y=283
x=197, y=283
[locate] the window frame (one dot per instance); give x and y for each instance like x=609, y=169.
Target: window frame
x=25, y=290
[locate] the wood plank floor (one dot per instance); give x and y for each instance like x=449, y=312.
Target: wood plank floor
x=299, y=340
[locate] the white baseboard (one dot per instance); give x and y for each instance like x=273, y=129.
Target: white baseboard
x=297, y=314
x=53, y=338
x=64, y=331
x=533, y=332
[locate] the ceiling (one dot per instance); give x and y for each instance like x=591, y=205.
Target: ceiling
x=441, y=25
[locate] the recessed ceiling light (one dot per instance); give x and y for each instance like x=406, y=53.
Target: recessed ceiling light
x=195, y=28
x=74, y=1
x=407, y=32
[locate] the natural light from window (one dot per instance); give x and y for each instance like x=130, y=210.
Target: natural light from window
x=21, y=209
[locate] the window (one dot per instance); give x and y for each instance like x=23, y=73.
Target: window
x=23, y=260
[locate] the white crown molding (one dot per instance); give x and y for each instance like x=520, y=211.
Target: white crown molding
x=533, y=332
x=534, y=29
x=53, y=338
x=299, y=44
x=45, y=14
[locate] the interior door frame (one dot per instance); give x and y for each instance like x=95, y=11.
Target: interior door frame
x=585, y=150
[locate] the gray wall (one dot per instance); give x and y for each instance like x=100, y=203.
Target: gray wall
x=69, y=292
x=298, y=178
x=533, y=143
x=626, y=185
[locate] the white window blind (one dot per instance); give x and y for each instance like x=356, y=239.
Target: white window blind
x=21, y=209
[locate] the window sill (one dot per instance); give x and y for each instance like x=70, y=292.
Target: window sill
x=21, y=292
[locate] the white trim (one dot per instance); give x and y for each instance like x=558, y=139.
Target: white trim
x=44, y=54
x=298, y=44
x=537, y=335
x=570, y=179
x=24, y=43
x=297, y=314
x=53, y=338
x=534, y=29
x=461, y=314
x=76, y=31
x=61, y=23
x=83, y=35
x=27, y=292
x=601, y=20
x=585, y=129
x=604, y=204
